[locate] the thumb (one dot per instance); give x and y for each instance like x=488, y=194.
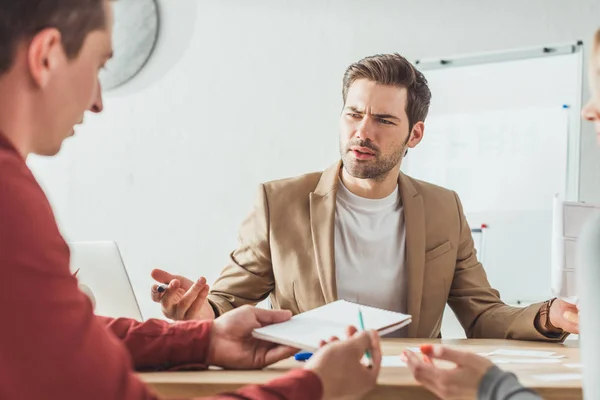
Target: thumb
x=358, y=344
x=268, y=317
x=445, y=353
x=571, y=316
x=161, y=276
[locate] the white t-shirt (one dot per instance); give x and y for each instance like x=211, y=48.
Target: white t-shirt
x=370, y=250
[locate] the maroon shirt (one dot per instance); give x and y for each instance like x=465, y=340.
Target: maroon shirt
x=52, y=346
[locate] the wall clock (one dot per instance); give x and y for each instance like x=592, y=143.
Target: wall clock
x=135, y=35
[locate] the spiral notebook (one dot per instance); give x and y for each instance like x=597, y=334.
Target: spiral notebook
x=306, y=330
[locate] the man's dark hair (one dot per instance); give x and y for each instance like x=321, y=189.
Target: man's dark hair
x=21, y=20
x=393, y=70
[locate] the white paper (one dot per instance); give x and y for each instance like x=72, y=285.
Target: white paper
x=392, y=361
x=525, y=353
x=557, y=377
x=526, y=360
x=574, y=365
x=306, y=330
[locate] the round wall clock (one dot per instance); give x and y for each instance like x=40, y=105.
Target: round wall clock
x=135, y=35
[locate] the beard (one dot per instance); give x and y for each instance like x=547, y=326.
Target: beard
x=376, y=168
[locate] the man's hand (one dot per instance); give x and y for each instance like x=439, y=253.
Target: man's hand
x=232, y=345
x=183, y=300
x=339, y=366
x=565, y=316
x=460, y=382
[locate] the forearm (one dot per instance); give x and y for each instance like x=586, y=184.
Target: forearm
x=157, y=344
x=295, y=385
x=505, y=322
x=501, y=385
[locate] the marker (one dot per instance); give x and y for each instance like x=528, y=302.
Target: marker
x=161, y=288
x=362, y=327
x=302, y=356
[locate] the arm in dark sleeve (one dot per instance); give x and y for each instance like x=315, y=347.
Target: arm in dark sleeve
x=51, y=344
x=501, y=385
x=156, y=344
x=295, y=385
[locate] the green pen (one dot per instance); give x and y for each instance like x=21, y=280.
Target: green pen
x=362, y=327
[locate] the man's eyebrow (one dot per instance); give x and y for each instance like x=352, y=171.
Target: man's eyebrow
x=385, y=116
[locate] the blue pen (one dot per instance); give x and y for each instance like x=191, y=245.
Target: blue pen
x=362, y=327
x=302, y=356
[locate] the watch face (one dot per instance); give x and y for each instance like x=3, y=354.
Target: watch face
x=135, y=34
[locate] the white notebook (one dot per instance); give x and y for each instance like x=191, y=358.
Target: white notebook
x=306, y=330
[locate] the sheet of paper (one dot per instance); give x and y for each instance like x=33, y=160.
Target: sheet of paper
x=392, y=361
x=525, y=353
x=306, y=330
x=558, y=377
x=574, y=366
x=525, y=360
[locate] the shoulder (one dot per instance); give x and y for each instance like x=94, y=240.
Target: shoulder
x=431, y=191
x=293, y=187
x=24, y=209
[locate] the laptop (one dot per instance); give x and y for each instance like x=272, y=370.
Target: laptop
x=102, y=270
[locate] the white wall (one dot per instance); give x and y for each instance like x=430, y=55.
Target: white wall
x=246, y=91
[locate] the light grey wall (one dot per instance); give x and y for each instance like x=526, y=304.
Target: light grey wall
x=243, y=91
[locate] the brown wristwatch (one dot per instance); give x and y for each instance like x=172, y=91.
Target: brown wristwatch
x=543, y=325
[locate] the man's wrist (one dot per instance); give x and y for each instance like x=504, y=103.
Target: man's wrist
x=543, y=323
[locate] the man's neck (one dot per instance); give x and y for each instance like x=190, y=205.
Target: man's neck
x=12, y=114
x=371, y=188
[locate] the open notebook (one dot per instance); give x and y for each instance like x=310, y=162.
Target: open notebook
x=306, y=330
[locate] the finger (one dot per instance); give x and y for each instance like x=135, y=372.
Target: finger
x=279, y=353
x=456, y=356
x=191, y=295
x=322, y=343
x=570, y=327
x=351, y=331
x=358, y=344
x=171, y=296
x=164, y=277
x=199, y=302
x=424, y=373
x=268, y=317
x=572, y=316
x=161, y=276
x=154, y=293
x=334, y=339
x=376, y=353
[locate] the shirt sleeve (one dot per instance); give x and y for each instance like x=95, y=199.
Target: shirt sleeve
x=52, y=344
x=298, y=384
x=501, y=385
x=159, y=345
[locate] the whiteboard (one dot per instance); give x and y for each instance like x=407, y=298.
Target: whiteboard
x=504, y=135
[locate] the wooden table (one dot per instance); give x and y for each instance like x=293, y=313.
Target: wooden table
x=394, y=383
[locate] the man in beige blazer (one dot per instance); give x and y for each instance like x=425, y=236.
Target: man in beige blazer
x=365, y=232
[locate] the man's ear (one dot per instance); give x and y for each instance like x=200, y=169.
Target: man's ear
x=45, y=55
x=416, y=135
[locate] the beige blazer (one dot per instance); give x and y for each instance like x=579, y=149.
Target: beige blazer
x=286, y=251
